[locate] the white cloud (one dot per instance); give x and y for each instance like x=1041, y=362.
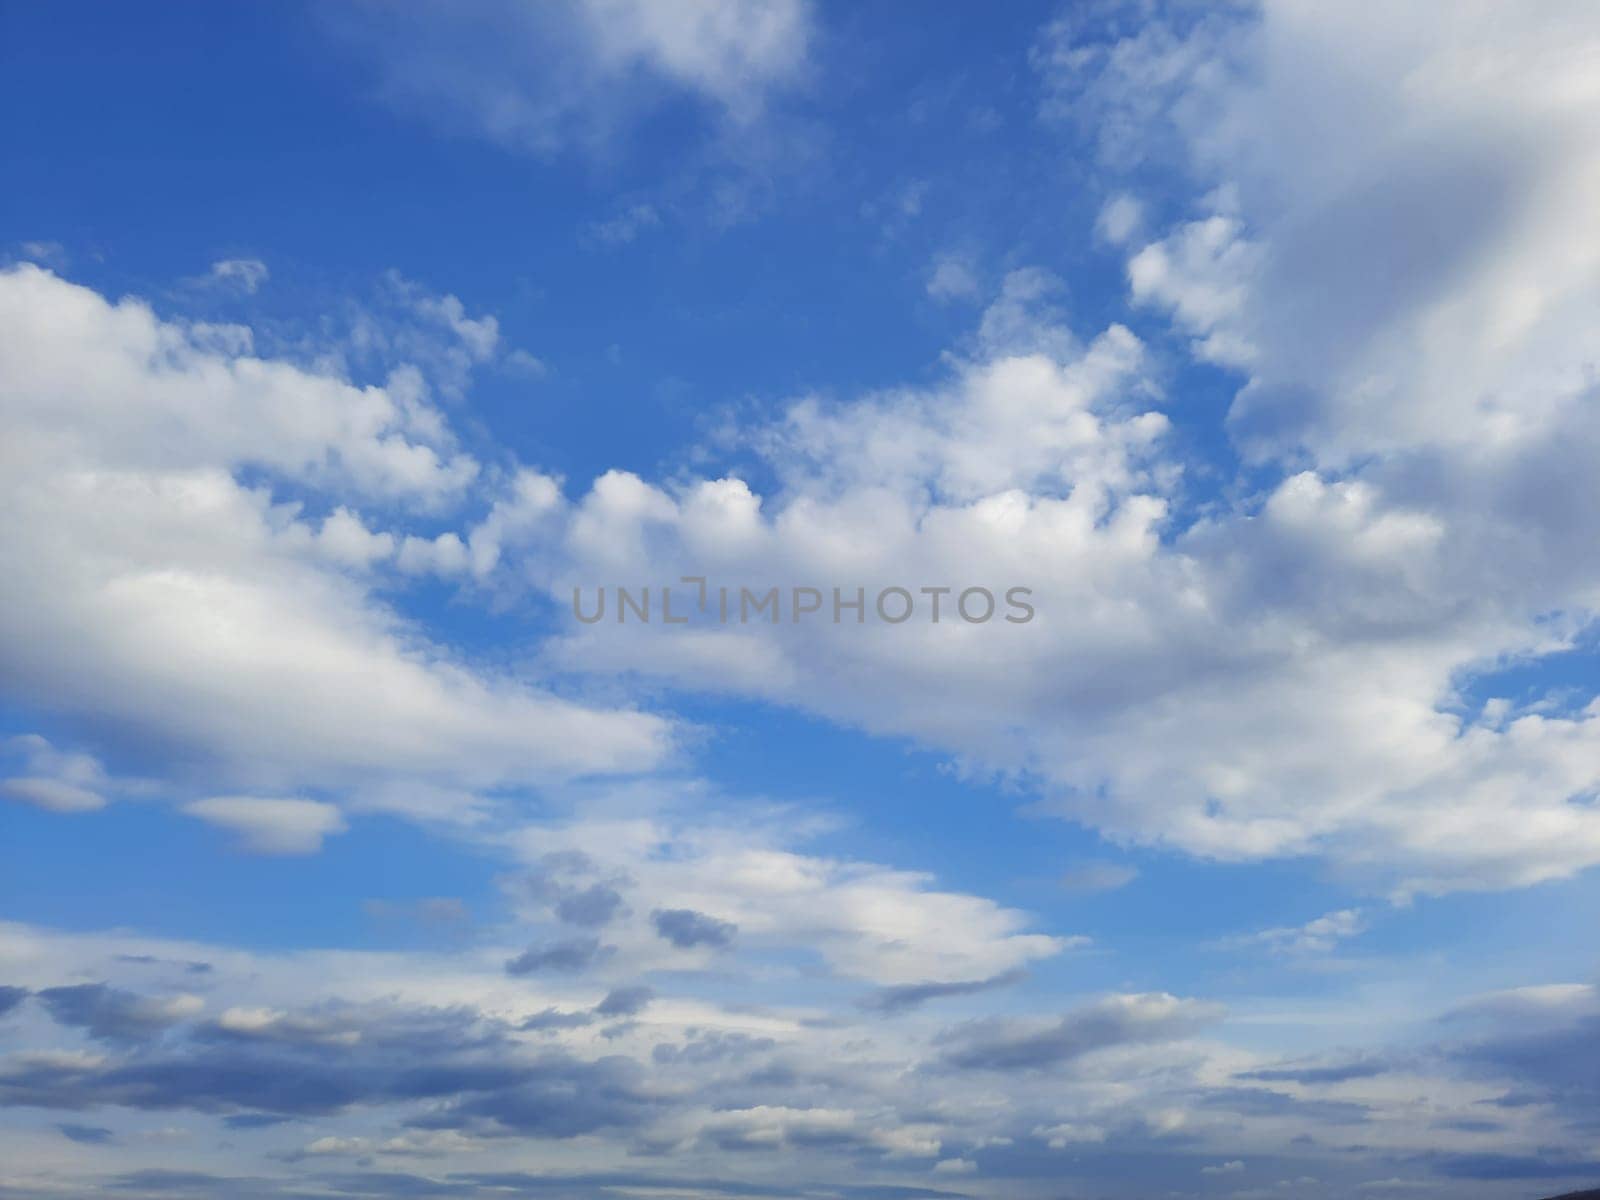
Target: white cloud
x=1400, y=234
x=625, y=226
x=269, y=825
x=1314, y=937
x=546, y=77
x=1271, y=680
x=51, y=794
x=867, y=921
x=952, y=279
x=1282, y=673
x=154, y=591
x=1098, y=876
x=50, y=778
x=244, y=275
x=1201, y=273
x=1120, y=218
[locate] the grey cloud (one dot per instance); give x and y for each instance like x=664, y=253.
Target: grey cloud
x=591, y=907
x=190, y=966
x=1517, y=1166
x=163, y=1181
x=10, y=997
x=295, y=1082
x=555, y=1018
x=712, y=1046
x=559, y=883
x=108, y=1013
x=1263, y=1102
x=255, y=1120
x=685, y=928
x=302, y=1029
x=907, y=996
x=625, y=1001
x=88, y=1135
x=1557, y=1065
x=594, y=1185
x=1006, y=1045
x=575, y=954
x=401, y=1055
x=1365, y=1068
x=558, y=1096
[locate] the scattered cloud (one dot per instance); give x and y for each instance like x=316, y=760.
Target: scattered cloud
x=1093, y=876
x=53, y=780
x=625, y=226
x=952, y=279
x=686, y=929
x=1318, y=936
x=580, y=74
x=271, y=825
x=573, y=954
x=242, y=275
x=1004, y=1044
x=906, y=996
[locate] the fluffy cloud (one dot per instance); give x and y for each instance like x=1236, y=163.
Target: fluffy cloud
x=1324, y=145
x=1274, y=677
x=697, y=888
x=156, y=592
x=1294, y=663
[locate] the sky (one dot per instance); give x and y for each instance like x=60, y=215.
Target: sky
x=1223, y=376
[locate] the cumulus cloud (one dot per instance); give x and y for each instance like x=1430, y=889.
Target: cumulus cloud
x=1269, y=680
x=1279, y=670
x=157, y=593
x=202, y=537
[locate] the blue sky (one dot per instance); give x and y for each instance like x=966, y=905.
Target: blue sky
x=340, y=344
